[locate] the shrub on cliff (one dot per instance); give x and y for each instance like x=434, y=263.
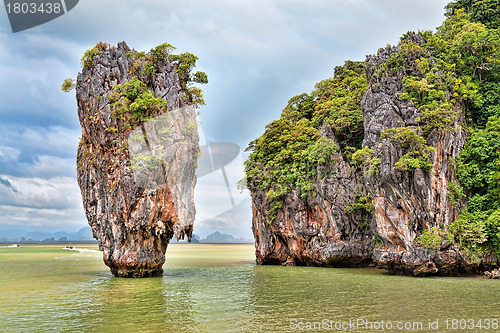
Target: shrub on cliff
x=68, y=85
x=484, y=11
x=287, y=155
x=89, y=55
x=448, y=75
x=478, y=227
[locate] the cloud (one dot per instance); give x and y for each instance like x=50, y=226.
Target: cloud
x=37, y=202
x=50, y=218
x=257, y=54
x=38, y=193
x=38, y=152
x=7, y=184
x=8, y=154
x=52, y=166
x=56, y=139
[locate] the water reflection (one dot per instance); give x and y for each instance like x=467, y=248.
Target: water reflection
x=210, y=299
x=282, y=294
x=59, y=291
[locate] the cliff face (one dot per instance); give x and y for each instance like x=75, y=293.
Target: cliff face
x=137, y=157
x=406, y=203
x=377, y=207
x=318, y=230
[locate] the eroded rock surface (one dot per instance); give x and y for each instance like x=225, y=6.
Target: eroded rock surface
x=322, y=230
x=319, y=230
x=136, y=175
x=407, y=203
x=494, y=274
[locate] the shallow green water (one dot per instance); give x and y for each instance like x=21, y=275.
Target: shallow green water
x=217, y=288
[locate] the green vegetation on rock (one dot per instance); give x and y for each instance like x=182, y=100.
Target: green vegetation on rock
x=430, y=238
x=364, y=157
x=363, y=202
x=287, y=155
x=89, y=55
x=143, y=66
x=68, y=85
x=134, y=104
x=461, y=78
x=451, y=76
x=465, y=54
x=477, y=229
x=484, y=11
x=417, y=152
x=338, y=104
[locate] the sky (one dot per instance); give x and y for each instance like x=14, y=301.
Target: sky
x=257, y=55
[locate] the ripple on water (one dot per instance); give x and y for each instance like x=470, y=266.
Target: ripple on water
x=42, y=294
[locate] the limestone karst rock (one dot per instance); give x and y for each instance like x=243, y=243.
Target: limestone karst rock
x=137, y=156
x=404, y=203
x=372, y=210
x=317, y=230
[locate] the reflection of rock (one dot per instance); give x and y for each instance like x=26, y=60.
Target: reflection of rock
x=135, y=204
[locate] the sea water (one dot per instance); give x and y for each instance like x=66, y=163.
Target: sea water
x=218, y=288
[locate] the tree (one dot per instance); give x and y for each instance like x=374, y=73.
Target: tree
x=485, y=11
x=68, y=85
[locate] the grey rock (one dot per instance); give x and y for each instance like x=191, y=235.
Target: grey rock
x=320, y=231
x=134, y=215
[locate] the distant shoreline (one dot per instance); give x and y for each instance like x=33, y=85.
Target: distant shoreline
x=84, y=236
x=50, y=242
x=95, y=242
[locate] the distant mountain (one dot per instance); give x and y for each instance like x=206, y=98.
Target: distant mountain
x=85, y=235
x=9, y=234
x=195, y=239
x=217, y=237
x=82, y=235
x=39, y=236
x=214, y=238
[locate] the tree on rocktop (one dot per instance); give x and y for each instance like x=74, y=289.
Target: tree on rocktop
x=485, y=11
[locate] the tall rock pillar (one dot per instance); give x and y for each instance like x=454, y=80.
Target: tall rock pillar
x=137, y=156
